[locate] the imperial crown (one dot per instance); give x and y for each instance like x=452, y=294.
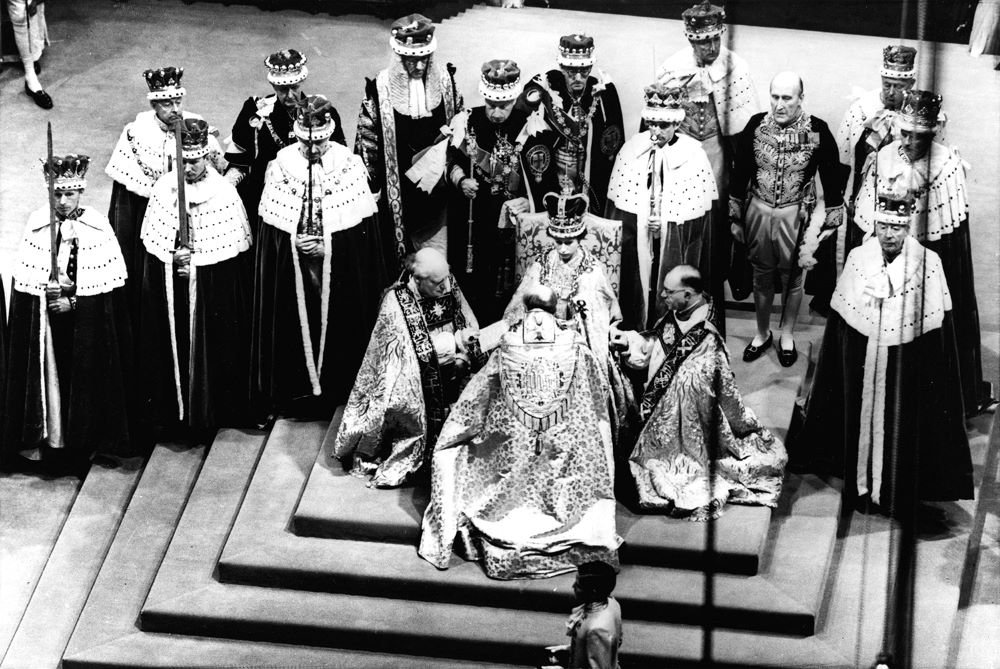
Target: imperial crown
x=894, y=209
x=920, y=110
x=665, y=101
x=286, y=68
x=413, y=36
x=703, y=21
x=899, y=62
x=576, y=51
x=314, y=119
x=164, y=83
x=565, y=214
x=67, y=172
x=194, y=138
x=501, y=81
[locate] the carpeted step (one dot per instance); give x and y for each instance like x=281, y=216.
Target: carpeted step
x=69, y=573
x=337, y=505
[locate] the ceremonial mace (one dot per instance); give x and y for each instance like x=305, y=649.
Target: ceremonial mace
x=53, y=224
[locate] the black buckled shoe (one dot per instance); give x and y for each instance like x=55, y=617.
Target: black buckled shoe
x=751, y=352
x=787, y=358
x=40, y=98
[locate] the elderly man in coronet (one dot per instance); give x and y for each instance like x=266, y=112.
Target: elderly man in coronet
x=403, y=110
x=422, y=349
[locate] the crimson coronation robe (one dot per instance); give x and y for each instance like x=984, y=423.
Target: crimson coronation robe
x=313, y=317
x=195, y=347
x=523, y=471
x=69, y=374
x=888, y=373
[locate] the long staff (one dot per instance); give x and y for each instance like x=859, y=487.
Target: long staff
x=182, y=220
x=473, y=149
x=53, y=226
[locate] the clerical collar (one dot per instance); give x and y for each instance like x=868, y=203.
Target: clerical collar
x=695, y=316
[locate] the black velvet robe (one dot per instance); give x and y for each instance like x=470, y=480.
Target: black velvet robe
x=490, y=285
x=126, y=214
x=923, y=417
x=217, y=394
x=279, y=375
x=93, y=356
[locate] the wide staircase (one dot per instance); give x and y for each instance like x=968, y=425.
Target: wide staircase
x=260, y=551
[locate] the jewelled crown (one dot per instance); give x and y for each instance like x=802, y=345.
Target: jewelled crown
x=894, y=209
x=566, y=212
x=919, y=111
x=500, y=81
x=194, y=138
x=164, y=83
x=413, y=35
x=899, y=62
x=665, y=101
x=314, y=119
x=67, y=172
x=286, y=68
x=703, y=21
x=576, y=51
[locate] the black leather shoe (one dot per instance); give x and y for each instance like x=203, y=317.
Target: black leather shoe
x=787, y=358
x=41, y=98
x=751, y=352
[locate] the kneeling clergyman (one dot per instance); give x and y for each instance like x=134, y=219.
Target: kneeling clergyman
x=320, y=271
x=421, y=352
x=66, y=389
x=700, y=446
x=885, y=411
x=195, y=317
x=523, y=473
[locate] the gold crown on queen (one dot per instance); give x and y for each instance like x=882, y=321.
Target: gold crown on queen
x=565, y=212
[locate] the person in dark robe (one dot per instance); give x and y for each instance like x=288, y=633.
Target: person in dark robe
x=321, y=272
x=145, y=151
x=721, y=99
x=67, y=388
x=485, y=156
x=195, y=301
x=581, y=105
x=264, y=127
x=662, y=190
x=772, y=196
x=866, y=128
x=936, y=173
x=885, y=408
x=403, y=110
x=422, y=350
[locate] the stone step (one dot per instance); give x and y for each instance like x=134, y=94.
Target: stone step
x=261, y=551
x=336, y=505
x=72, y=566
x=186, y=598
x=106, y=634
